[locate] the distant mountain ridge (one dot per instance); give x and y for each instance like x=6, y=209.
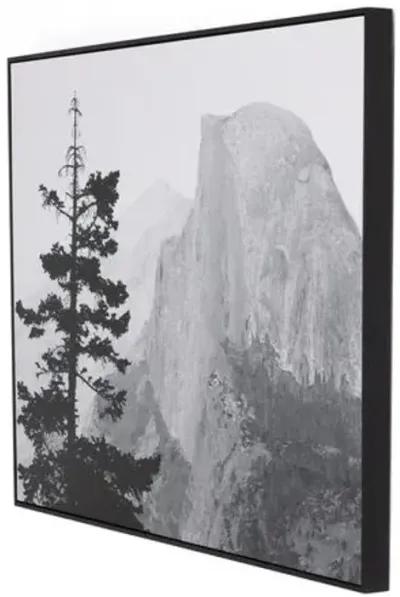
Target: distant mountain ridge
x=159, y=213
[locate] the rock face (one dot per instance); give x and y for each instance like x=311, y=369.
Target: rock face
x=252, y=355
x=270, y=248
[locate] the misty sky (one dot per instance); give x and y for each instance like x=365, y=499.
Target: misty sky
x=142, y=109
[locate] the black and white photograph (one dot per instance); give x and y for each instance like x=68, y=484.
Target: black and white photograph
x=188, y=290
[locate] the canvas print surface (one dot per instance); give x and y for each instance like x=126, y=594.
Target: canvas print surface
x=187, y=223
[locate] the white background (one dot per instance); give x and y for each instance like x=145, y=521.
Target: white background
x=44, y=555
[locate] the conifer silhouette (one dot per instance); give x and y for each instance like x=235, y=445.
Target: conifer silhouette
x=83, y=475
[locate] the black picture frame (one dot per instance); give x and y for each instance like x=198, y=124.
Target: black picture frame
x=377, y=285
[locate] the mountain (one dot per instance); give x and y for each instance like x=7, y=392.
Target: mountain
x=159, y=213
x=270, y=248
x=157, y=203
x=251, y=358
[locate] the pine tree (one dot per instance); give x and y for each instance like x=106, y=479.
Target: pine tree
x=68, y=471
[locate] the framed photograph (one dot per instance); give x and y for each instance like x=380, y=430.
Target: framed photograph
x=201, y=231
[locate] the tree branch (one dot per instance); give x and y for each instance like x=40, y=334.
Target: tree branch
x=89, y=385
x=41, y=370
x=64, y=213
x=85, y=208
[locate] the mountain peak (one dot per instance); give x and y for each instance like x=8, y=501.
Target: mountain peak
x=258, y=118
x=149, y=209
x=266, y=112
x=160, y=185
x=160, y=191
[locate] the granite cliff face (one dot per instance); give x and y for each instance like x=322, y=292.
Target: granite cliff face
x=270, y=248
x=252, y=355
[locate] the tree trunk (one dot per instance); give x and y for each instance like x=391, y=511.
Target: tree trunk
x=73, y=352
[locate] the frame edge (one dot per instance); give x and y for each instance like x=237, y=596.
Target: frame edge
x=377, y=299
x=11, y=246
x=195, y=34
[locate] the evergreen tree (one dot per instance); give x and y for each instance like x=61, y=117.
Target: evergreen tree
x=68, y=471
